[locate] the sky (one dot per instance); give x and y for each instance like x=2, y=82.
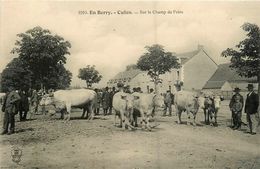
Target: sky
x=111, y=42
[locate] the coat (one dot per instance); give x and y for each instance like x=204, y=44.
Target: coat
x=11, y=101
x=232, y=101
x=252, y=103
x=24, y=102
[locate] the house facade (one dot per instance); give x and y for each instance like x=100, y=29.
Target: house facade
x=196, y=68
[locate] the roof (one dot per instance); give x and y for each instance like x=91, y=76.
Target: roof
x=185, y=57
x=214, y=85
x=225, y=73
x=127, y=75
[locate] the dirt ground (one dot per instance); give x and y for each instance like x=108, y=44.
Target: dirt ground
x=50, y=143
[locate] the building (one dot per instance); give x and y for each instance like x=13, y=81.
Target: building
x=196, y=68
x=225, y=79
x=133, y=78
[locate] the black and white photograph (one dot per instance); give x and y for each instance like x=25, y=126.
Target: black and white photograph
x=129, y=84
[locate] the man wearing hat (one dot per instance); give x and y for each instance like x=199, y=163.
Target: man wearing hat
x=236, y=113
x=251, y=108
x=168, y=103
x=10, y=109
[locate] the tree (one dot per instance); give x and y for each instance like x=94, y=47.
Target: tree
x=90, y=75
x=42, y=53
x=157, y=62
x=60, y=78
x=17, y=75
x=246, y=58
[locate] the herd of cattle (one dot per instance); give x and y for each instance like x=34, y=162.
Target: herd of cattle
x=128, y=107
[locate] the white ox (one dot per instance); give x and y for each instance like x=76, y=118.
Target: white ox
x=78, y=98
x=123, y=106
x=146, y=104
x=186, y=101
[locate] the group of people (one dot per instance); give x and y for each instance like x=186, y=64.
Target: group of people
x=236, y=106
x=21, y=102
x=104, y=100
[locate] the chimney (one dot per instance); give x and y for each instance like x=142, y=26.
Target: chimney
x=200, y=47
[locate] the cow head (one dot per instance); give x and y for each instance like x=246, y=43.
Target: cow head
x=201, y=101
x=129, y=101
x=129, y=106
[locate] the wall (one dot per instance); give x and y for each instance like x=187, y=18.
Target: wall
x=141, y=80
x=226, y=87
x=197, y=71
x=169, y=79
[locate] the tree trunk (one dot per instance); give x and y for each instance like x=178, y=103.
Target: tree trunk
x=258, y=80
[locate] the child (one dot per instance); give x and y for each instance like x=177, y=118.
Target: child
x=236, y=112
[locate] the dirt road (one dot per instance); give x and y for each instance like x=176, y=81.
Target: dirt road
x=97, y=144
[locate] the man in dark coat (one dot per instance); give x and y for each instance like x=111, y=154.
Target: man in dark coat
x=168, y=100
x=105, y=100
x=10, y=109
x=236, y=115
x=23, y=105
x=251, y=108
x=111, y=95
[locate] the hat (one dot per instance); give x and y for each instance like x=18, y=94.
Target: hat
x=250, y=86
x=236, y=89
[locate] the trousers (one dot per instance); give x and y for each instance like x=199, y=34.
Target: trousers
x=9, y=120
x=252, y=122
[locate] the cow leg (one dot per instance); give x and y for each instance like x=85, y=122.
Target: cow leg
x=128, y=123
x=211, y=115
x=188, y=115
x=83, y=113
x=143, y=122
x=116, y=114
x=135, y=115
x=68, y=106
x=194, y=119
x=179, y=115
x=148, y=123
x=122, y=119
x=62, y=114
x=91, y=117
x=205, y=115
x=216, y=115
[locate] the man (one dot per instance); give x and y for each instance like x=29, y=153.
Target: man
x=10, y=108
x=23, y=105
x=168, y=103
x=236, y=115
x=111, y=95
x=105, y=100
x=34, y=101
x=251, y=108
